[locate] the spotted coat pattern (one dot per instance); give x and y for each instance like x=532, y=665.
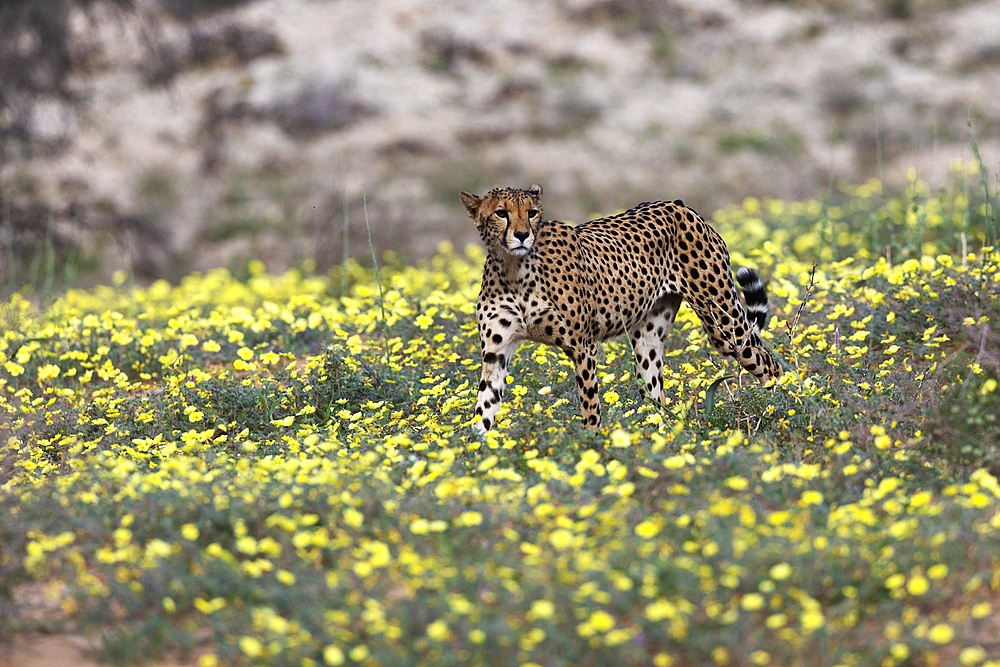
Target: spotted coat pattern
x=574, y=287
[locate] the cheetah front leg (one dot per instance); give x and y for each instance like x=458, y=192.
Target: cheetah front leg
x=648, y=340
x=496, y=356
x=585, y=360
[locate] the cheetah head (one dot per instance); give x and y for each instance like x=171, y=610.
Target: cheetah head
x=507, y=218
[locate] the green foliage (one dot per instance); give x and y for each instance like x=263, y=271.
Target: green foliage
x=664, y=47
x=865, y=221
x=258, y=472
x=967, y=427
x=788, y=142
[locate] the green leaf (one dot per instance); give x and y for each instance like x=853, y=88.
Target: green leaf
x=710, y=394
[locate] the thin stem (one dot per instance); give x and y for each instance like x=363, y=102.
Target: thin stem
x=378, y=277
x=346, y=234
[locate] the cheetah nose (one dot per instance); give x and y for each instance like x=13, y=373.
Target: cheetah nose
x=522, y=236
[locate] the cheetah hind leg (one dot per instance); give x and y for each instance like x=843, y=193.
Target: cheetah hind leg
x=739, y=342
x=648, y=340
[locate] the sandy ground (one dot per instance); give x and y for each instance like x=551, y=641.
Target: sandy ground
x=46, y=651
x=60, y=651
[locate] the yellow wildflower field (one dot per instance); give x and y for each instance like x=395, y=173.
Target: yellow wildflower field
x=265, y=472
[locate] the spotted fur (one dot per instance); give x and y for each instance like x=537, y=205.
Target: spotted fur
x=574, y=287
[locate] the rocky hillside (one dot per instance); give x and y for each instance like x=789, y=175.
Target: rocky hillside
x=199, y=139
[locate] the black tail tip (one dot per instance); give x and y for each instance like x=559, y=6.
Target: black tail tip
x=748, y=279
x=755, y=295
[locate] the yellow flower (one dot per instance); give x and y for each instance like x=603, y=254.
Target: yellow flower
x=469, y=518
x=775, y=621
x=660, y=609
x=561, y=539
x=752, y=601
x=252, y=647
x=333, y=655
x=247, y=545
x=917, y=585
x=48, y=372
x=812, y=497
x=979, y=500
x=459, y=604
x=812, y=620
x=353, y=518
x=438, y=630
x=736, y=483
x=170, y=358
x=209, y=606
x=942, y=633
x=542, y=609
x=972, y=655
x=158, y=548
x=611, y=397
x=781, y=571
x=647, y=529
x=620, y=438
x=189, y=531
x=602, y=621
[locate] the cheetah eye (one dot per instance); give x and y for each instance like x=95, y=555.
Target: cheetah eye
x=533, y=213
x=501, y=213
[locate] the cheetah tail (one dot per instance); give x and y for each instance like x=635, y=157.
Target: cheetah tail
x=755, y=295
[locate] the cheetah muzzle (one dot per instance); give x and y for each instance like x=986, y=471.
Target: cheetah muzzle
x=575, y=287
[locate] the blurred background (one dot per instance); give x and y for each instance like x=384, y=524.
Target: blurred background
x=159, y=137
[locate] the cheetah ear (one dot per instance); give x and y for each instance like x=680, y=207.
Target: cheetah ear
x=535, y=190
x=471, y=203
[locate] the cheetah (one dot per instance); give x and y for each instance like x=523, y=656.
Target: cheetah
x=573, y=287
